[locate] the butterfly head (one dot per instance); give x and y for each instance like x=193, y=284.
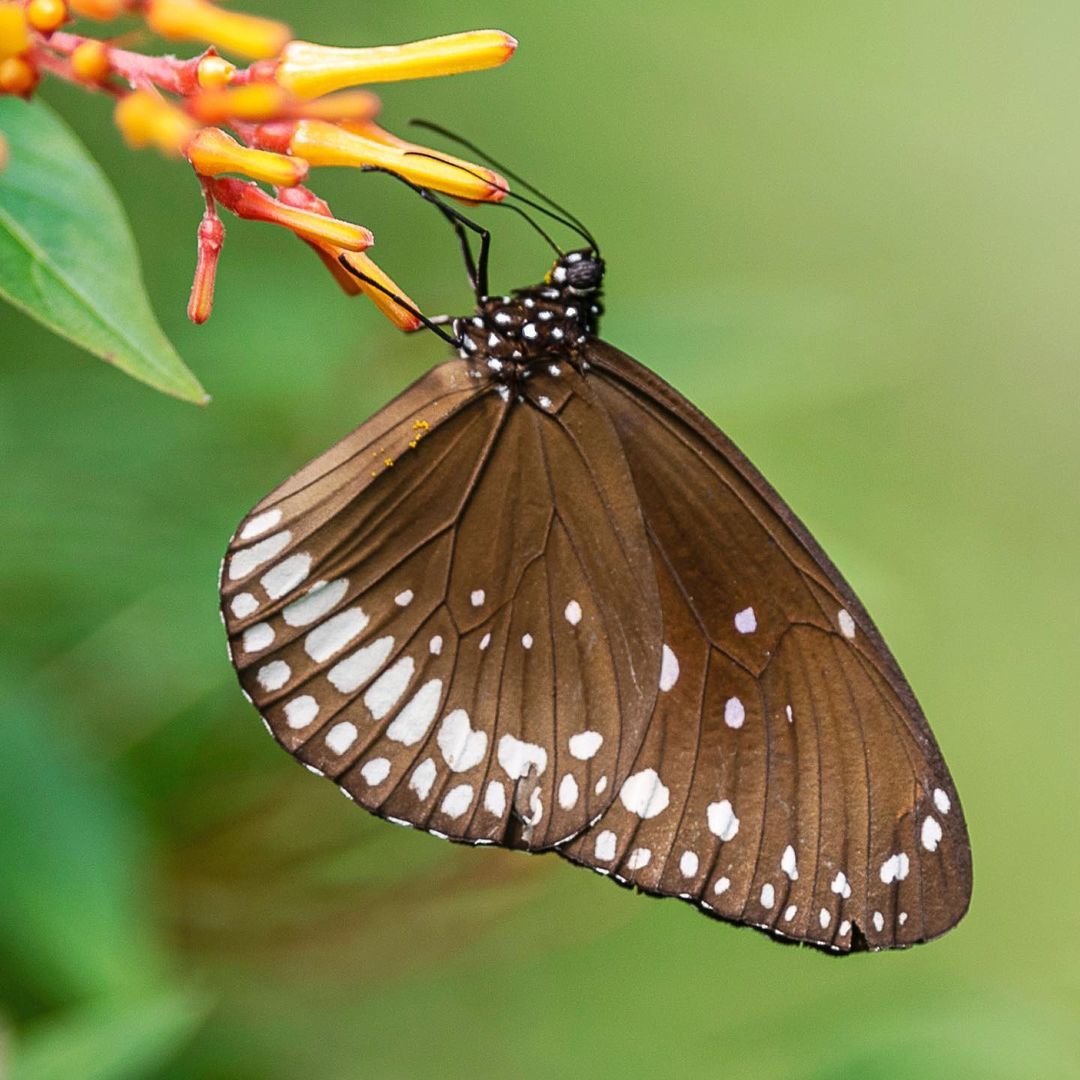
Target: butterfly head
x=579, y=273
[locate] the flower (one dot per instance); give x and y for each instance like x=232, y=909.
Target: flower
x=296, y=106
x=311, y=70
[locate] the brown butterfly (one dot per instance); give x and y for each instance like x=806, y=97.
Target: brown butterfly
x=541, y=601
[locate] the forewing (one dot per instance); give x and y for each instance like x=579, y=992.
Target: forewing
x=431, y=611
x=788, y=779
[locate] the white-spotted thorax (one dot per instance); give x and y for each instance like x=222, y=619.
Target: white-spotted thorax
x=510, y=338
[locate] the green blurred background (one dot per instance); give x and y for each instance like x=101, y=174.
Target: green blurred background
x=850, y=233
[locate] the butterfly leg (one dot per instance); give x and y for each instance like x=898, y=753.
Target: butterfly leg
x=476, y=269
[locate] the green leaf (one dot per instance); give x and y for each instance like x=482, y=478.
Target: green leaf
x=76, y=911
x=110, y=1039
x=67, y=257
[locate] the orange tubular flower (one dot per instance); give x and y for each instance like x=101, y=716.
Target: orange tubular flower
x=402, y=319
x=212, y=152
x=250, y=201
x=252, y=103
x=321, y=143
x=310, y=70
x=199, y=20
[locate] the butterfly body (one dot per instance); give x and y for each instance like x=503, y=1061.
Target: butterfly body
x=541, y=601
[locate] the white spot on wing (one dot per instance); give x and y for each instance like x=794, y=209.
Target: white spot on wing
x=383, y=694
x=573, y=613
x=476, y=597
x=788, y=864
x=259, y=524
x=495, y=799
x=517, y=757
x=931, y=833
x=604, y=849
x=274, y=676
x=879, y=921
x=840, y=885
x=568, y=792
x=321, y=598
x=847, y=623
x=894, y=868
x=790, y=714
x=375, y=771
x=722, y=820
x=722, y=885
x=644, y=794
x=688, y=864
x=669, y=669
x=790, y=912
x=301, y=711
x=412, y=723
x=845, y=928
x=352, y=672
x=462, y=748
x=639, y=858
x=258, y=637
x=585, y=744
x=244, y=562
x=746, y=621
x=435, y=645
x=285, y=577
x=601, y=785
x=244, y=604
x=333, y=635
x=941, y=799
x=527, y=641
x=404, y=599
x=457, y=800
x=734, y=713
x=824, y=917
x=341, y=736
x=768, y=895
x=423, y=778
x=485, y=641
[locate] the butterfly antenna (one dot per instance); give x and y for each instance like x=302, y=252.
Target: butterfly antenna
x=569, y=218
x=510, y=206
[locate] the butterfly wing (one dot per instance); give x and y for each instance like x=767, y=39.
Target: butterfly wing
x=788, y=779
x=438, y=610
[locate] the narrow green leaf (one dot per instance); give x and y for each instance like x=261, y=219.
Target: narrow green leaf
x=67, y=257
x=112, y=1039
x=76, y=913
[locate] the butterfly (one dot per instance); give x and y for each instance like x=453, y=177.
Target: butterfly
x=540, y=601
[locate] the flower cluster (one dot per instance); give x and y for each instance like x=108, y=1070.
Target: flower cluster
x=295, y=106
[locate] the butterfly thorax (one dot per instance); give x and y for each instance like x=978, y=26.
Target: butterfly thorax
x=510, y=336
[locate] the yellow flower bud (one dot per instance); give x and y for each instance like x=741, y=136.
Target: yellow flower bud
x=14, y=33
x=46, y=15
x=215, y=72
x=90, y=61
x=17, y=76
x=254, y=102
x=399, y=316
x=325, y=144
x=212, y=153
x=147, y=119
x=199, y=20
x=310, y=70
